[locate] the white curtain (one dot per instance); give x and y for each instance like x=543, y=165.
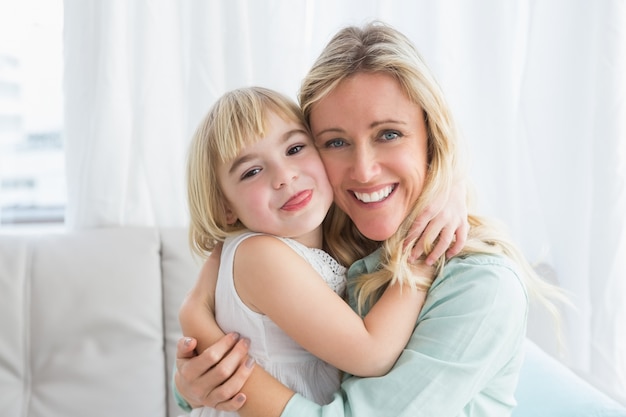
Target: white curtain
x=538, y=89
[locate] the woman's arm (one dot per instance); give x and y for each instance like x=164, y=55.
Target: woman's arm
x=274, y=280
x=197, y=314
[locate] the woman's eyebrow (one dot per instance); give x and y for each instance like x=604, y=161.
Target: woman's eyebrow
x=382, y=122
x=329, y=130
x=372, y=125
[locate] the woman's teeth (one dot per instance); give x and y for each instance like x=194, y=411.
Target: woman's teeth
x=375, y=196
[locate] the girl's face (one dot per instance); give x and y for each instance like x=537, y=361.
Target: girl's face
x=373, y=142
x=278, y=185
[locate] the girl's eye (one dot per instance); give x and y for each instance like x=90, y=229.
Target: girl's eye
x=251, y=173
x=334, y=143
x=390, y=135
x=295, y=149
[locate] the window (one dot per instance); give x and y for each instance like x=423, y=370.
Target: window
x=32, y=171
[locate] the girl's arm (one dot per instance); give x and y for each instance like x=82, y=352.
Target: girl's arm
x=273, y=280
x=444, y=222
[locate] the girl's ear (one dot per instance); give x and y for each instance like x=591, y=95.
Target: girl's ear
x=231, y=217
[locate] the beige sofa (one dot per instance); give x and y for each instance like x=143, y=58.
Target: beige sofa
x=89, y=321
x=88, y=327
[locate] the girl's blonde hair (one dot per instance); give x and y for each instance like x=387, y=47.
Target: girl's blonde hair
x=378, y=48
x=236, y=120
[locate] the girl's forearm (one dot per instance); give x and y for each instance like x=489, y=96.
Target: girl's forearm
x=265, y=396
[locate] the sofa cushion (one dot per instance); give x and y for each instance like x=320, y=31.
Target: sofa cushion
x=82, y=324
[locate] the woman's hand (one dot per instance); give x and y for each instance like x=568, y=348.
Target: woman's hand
x=443, y=222
x=213, y=378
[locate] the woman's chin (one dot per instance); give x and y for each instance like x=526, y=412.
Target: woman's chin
x=376, y=230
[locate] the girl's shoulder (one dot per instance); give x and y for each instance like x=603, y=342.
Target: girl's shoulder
x=261, y=243
x=289, y=252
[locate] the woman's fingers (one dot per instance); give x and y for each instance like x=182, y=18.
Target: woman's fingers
x=205, y=379
x=218, y=380
x=227, y=397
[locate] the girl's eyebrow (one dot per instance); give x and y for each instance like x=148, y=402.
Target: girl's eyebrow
x=239, y=161
x=293, y=132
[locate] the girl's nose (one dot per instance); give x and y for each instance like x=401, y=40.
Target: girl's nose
x=283, y=176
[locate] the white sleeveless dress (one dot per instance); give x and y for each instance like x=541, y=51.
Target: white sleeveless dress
x=272, y=348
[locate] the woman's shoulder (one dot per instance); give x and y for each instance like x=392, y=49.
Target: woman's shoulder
x=479, y=289
x=487, y=276
x=480, y=266
x=482, y=259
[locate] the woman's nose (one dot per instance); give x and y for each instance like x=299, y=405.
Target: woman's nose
x=364, y=165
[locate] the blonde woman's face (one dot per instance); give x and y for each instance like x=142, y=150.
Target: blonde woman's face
x=278, y=185
x=373, y=142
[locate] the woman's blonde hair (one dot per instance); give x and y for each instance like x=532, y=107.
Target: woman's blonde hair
x=378, y=48
x=236, y=120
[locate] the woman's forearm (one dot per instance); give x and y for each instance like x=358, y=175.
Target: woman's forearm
x=197, y=312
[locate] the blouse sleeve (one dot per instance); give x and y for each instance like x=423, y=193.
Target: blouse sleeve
x=465, y=352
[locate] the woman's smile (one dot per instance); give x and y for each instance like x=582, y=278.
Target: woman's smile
x=374, y=196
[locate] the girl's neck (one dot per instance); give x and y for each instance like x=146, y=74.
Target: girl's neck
x=312, y=239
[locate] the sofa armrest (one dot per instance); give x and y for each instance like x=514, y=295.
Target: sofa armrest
x=548, y=388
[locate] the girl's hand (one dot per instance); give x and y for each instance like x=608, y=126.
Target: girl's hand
x=444, y=222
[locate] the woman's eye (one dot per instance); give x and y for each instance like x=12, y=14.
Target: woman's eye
x=295, y=149
x=251, y=173
x=334, y=143
x=390, y=135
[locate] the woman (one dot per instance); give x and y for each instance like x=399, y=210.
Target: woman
x=387, y=140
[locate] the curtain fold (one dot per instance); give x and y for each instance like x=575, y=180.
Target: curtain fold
x=537, y=88
x=124, y=133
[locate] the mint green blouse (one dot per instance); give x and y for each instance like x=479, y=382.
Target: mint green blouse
x=463, y=358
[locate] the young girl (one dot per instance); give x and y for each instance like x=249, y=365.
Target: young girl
x=257, y=183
